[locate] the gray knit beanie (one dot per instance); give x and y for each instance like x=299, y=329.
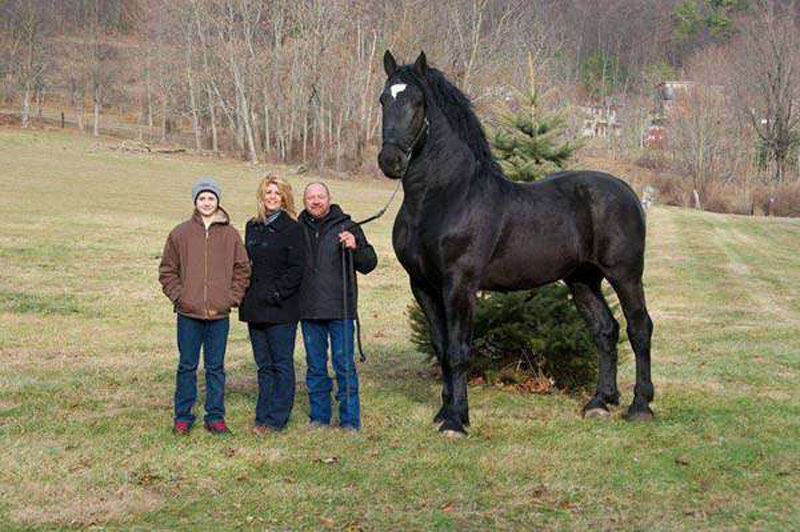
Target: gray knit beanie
x=206, y=184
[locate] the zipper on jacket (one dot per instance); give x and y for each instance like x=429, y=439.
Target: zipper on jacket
x=205, y=277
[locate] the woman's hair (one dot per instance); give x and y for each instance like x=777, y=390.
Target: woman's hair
x=284, y=189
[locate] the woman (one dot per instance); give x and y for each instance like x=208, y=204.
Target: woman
x=275, y=245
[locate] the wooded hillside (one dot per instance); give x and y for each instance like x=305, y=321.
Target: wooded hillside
x=296, y=81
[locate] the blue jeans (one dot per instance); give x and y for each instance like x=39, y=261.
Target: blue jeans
x=273, y=350
x=212, y=335
x=315, y=338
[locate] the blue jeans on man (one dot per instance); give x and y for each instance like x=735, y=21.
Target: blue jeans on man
x=212, y=336
x=315, y=338
x=273, y=350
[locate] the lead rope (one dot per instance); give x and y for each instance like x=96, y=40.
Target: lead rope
x=348, y=267
x=345, y=335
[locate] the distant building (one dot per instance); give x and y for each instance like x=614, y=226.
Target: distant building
x=667, y=96
x=655, y=137
x=600, y=120
x=667, y=93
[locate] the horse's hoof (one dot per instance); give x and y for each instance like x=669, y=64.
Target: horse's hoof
x=452, y=429
x=639, y=415
x=596, y=413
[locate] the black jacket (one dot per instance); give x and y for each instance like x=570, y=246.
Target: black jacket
x=277, y=257
x=321, y=291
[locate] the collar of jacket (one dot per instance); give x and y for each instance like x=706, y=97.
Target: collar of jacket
x=281, y=222
x=334, y=216
x=220, y=217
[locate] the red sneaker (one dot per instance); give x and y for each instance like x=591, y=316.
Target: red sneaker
x=182, y=428
x=218, y=427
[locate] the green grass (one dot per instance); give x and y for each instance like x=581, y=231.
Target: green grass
x=87, y=361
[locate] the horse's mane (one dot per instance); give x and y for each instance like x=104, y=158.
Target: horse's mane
x=458, y=111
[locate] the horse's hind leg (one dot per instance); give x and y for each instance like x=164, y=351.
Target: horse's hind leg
x=434, y=312
x=640, y=330
x=588, y=297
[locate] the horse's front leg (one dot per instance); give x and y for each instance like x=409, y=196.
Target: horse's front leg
x=459, y=305
x=431, y=304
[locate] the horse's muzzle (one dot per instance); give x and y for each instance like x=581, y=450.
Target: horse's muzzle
x=392, y=161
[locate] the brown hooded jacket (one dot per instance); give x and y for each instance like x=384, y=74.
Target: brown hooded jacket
x=204, y=272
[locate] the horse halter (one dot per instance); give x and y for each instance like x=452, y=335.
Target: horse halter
x=407, y=152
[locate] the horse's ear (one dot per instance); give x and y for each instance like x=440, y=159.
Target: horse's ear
x=421, y=65
x=389, y=64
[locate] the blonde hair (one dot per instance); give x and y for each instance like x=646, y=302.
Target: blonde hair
x=284, y=189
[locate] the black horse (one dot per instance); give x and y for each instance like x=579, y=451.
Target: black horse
x=464, y=227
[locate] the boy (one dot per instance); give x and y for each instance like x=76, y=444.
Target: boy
x=204, y=271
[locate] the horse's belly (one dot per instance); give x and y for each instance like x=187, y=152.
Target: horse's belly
x=523, y=272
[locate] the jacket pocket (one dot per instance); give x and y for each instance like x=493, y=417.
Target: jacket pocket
x=220, y=300
x=184, y=305
x=190, y=301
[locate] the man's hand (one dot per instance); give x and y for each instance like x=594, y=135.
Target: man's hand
x=348, y=239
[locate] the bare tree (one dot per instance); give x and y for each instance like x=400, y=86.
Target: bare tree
x=767, y=81
x=27, y=48
x=698, y=135
x=236, y=27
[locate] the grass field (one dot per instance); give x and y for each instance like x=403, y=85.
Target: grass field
x=87, y=362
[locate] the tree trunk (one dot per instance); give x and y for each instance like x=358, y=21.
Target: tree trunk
x=212, y=114
x=780, y=164
x=26, y=95
x=267, y=139
x=164, y=120
x=79, y=111
x=305, y=135
x=280, y=136
x=237, y=121
x=198, y=141
x=321, y=136
x=40, y=103
x=339, y=141
x=149, y=94
x=696, y=198
x=245, y=117
x=96, y=126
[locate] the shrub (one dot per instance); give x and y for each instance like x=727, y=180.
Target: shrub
x=785, y=199
x=536, y=334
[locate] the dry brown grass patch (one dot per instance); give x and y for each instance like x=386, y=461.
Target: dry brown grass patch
x=64, y=505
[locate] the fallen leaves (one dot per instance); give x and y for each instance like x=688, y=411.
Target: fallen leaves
x=534, y=384
x=230, y=452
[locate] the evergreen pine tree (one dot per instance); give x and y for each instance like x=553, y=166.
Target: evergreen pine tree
x=530, y=143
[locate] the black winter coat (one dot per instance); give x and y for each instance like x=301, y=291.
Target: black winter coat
x=277, y=258
x=321, y=291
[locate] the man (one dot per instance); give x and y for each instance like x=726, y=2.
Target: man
x=327, y=231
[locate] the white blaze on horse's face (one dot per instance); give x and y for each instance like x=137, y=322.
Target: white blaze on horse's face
x=397, y=89
x=403, y=114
